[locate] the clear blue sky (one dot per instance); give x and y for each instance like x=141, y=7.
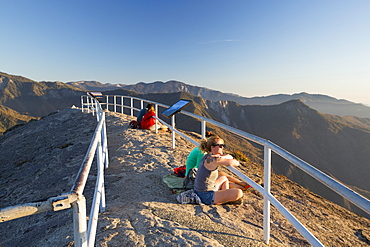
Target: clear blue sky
x=247, y=47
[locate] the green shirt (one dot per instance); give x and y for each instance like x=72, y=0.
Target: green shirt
x=193, y=160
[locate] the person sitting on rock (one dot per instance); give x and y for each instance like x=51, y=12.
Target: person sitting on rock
x=208, y=185
x=195, y=157
x=142, y=112
x=148, y=122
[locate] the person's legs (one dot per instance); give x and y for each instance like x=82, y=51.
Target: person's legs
x=207, y=197
x=234, y=182
x=232, y=179
x=237, y=184
x=162, y=127
x=159, y=126
x=229, y=195
x=222, y=183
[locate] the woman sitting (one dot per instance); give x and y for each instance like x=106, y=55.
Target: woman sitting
x=142, y=112
x=196, y=155
x=148, y=121
x=208, y=185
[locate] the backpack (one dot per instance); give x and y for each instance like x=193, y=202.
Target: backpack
x=190, y=178
x=133, y=124
x=180, y=171
x=188, y=197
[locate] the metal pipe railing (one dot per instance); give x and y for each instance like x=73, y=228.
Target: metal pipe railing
x=98, y=146
x=83, y=173
x=80, y=222
x=26, y=209
x=344, y=191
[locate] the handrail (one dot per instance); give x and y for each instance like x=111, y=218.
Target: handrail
x=84, y=235
x=269, y=146
x=99, y=147
x=83, y=173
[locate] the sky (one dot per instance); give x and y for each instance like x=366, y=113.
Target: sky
x=247, y=47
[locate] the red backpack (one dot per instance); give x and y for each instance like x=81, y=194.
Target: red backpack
x=180, y=171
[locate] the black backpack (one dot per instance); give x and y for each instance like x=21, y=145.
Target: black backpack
x=190, y=178
x=133, y=124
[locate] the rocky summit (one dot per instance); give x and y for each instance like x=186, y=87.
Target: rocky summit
x=41, y=159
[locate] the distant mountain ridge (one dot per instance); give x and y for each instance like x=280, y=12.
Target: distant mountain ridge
x=36, y=98
x=322, y=103
x=94, y=85
x=22, y=99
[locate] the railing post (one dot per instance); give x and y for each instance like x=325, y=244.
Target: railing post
x=266, y=191
x=105, y=143
x=82, y=104
x=203, y=129
x=99, y=196
x=102, y=199
x=100, y=162
x=88, y=104
x=132, y=107
x=107, y=102
x=92, y=106
x=156, y=116
x=79, y=221
x=114, y=103
x=98, y=112
x=173, y=132
x=141, y=104
x=122, y=104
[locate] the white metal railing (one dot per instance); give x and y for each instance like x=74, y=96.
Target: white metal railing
x=98, y=147
x=344, y=191
x=84, y=235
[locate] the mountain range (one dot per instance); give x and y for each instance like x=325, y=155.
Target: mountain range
x=338, y=146
x=322, y=103
x=22, y=99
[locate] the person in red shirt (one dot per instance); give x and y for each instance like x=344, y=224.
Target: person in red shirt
x=148, y=121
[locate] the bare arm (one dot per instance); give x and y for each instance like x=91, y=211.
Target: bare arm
x=213, y=161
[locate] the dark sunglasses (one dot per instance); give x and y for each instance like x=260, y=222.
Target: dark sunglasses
x=219, y=145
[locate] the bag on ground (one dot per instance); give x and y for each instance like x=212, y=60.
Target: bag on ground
x=180, y=171
x=190, y=178
x=133, y=124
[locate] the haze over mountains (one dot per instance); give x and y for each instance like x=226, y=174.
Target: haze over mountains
x=339, y=146
x=322, y=103
x=35, y=98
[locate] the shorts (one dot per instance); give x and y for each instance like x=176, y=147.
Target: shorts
x=207, y=197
